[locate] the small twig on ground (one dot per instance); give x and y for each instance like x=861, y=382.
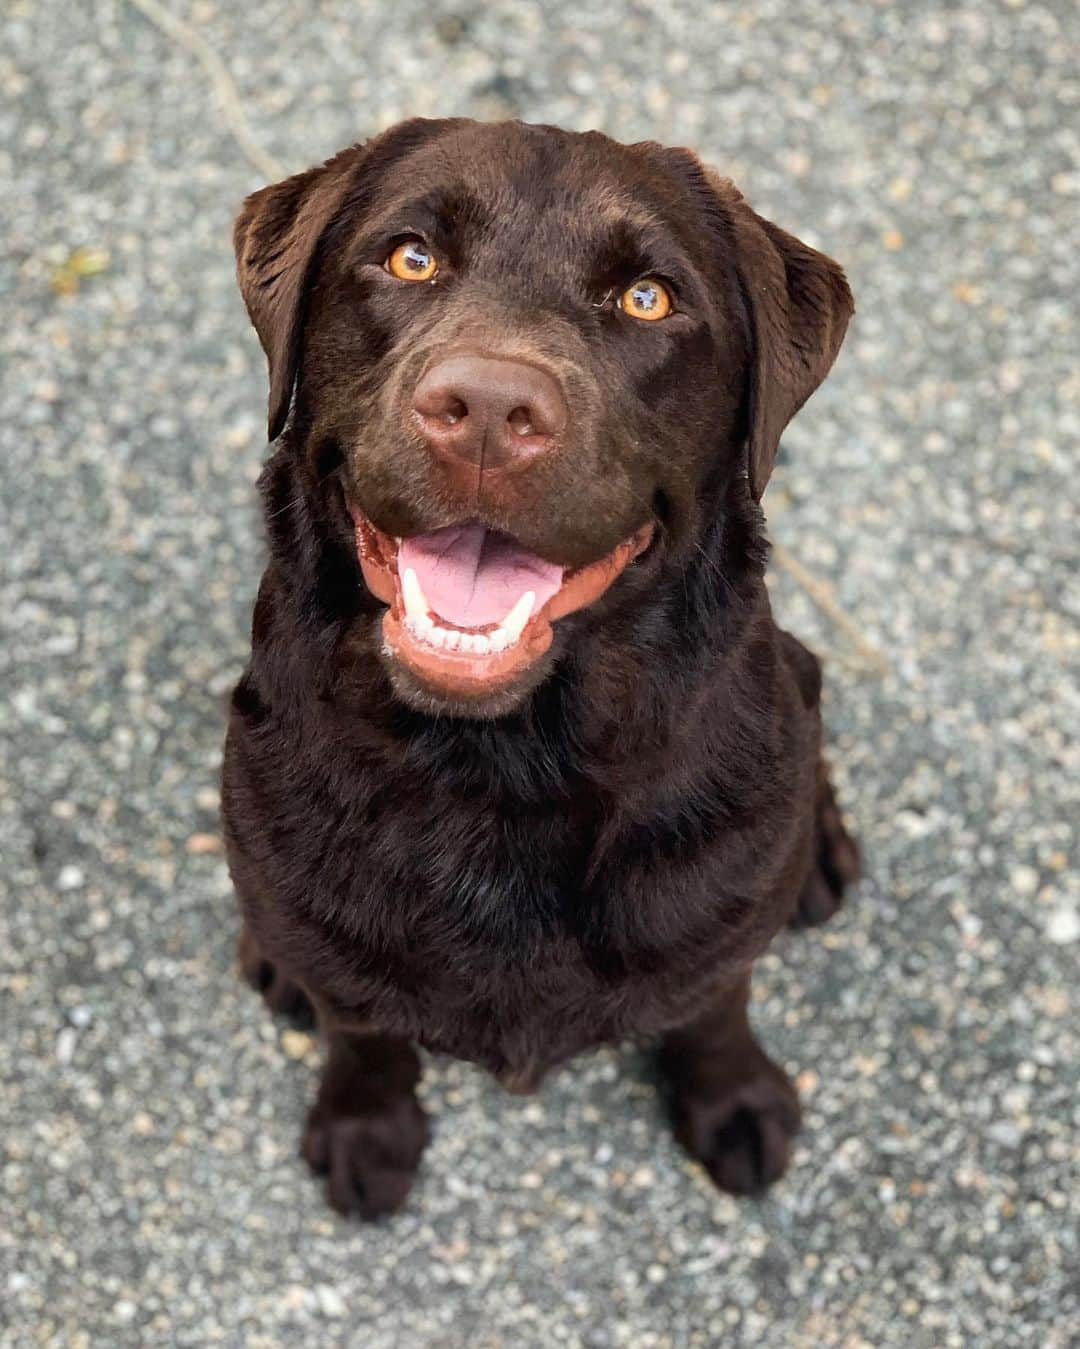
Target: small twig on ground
x=228, y=95
x=824, y=597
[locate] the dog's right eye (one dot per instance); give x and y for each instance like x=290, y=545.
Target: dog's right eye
x=647, y=299
x=412, y=261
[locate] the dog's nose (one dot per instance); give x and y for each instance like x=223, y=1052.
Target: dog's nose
x=489, y=411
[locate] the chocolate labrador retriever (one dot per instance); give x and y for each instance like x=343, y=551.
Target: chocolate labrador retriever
x=521, y=762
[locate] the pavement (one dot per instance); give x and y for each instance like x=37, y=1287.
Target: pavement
x=150, y=1111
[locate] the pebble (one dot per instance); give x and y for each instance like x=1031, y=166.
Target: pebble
x=330, y=1301
x=202, y=844
x=296, y=1044
x=1063, y=926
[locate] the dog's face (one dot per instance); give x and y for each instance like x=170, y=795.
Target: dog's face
x=533, y=356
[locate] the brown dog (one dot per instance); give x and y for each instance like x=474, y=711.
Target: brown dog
x=521, y=762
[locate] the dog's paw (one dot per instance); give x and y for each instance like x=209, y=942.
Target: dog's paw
x=740, y=1131
x=280, y=993
x=369, y=1158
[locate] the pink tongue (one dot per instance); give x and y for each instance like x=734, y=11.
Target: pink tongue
x=472, y=576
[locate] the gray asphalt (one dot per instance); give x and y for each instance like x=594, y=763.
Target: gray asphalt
x=150, y=1114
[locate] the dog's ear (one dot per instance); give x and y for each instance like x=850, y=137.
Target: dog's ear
x=799, y=304
x=276, y=238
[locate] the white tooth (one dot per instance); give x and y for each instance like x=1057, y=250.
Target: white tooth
x=499, y=640
x=514, y=622
x=415, y=604
x=481, y=644
x=467, y=640
x=453, y=639
x=425, y=625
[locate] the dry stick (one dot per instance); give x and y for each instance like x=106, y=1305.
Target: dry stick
x=228, y=96
x=236, y=119
x=823, y=596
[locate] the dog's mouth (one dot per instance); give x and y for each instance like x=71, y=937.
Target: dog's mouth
x=469, y=608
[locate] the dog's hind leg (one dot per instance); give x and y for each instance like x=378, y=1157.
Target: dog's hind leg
x=835, y=864
x=281, y=994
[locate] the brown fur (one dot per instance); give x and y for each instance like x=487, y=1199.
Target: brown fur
x=605, y=852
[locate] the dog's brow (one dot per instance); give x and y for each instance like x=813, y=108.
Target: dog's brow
x=439, y=209
x=616, y=206
x=619, y=218
x=634, y=237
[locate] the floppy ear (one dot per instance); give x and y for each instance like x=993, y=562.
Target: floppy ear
x=799, y=304
x=276, y=237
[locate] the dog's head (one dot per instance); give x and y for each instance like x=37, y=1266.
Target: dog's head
x=530, y=357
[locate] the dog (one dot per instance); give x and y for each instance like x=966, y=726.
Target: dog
x=521, y=763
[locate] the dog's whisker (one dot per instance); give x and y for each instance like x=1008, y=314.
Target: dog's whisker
x=298, y=500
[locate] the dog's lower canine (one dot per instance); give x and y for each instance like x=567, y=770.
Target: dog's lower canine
x=521, y=762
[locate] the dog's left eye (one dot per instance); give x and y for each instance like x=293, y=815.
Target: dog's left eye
x=412, y=261
x=646, y=299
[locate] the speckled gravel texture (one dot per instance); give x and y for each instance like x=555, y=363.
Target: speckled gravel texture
x=149, y=1184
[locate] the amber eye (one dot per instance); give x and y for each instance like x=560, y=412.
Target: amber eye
x=646, y=299
x=412, y=261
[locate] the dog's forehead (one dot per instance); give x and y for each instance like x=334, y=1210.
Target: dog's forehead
x=541, y=183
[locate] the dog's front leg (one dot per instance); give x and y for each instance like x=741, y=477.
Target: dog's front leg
x=733, y=1108
x=366, y=1131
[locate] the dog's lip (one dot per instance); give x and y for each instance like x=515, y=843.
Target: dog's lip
x=471, y=675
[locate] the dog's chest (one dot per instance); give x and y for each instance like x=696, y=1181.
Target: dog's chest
x=496, y=941
x=511, y=931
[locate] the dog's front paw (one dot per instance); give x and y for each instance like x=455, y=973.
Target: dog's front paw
x=370, y=1157
x=740, y=1130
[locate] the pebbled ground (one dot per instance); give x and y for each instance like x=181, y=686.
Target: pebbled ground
x=150, y=1110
